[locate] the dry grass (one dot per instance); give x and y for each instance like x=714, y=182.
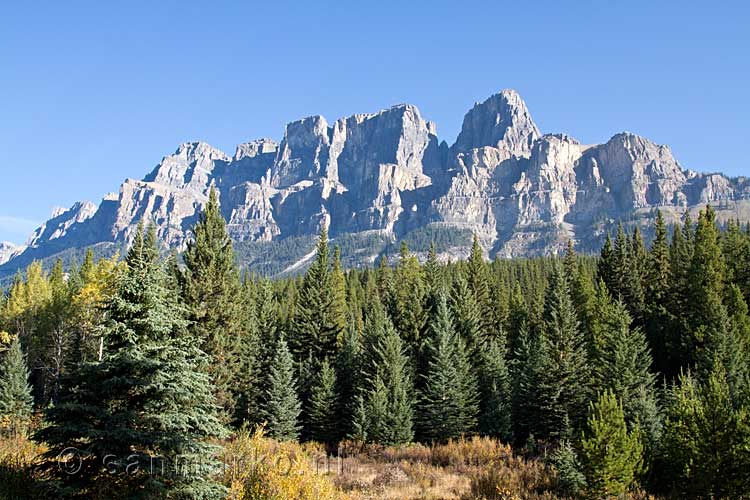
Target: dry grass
x=18, y=456
x=461, y=469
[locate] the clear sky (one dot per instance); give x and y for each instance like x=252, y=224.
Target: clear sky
x=92, y=93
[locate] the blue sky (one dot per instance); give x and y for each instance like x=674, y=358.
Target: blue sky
x=92, y=93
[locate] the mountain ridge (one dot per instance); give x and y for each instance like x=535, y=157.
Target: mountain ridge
x=387, y=173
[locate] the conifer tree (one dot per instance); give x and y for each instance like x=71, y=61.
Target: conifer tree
x=606, y=265
x=658, y=317
x=211, y=287
x=339, y=308
x=568, y=369
x=622, y=366
x=316, y=326
x=527, y=377
x=612, y=457
x=708, y=317
x=466, y=314
x=324, y=423
x=706, y=440
x=387, y=392
x=495, y=392
x=282, y=410
x=477, y=276
x=518, y=317
x=407, y=300
x=448, y=399
x=146, y=399
x=16, y=402
x=348, y=379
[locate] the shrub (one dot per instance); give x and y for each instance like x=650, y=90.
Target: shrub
x=258, y=468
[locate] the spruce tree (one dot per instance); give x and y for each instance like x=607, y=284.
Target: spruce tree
x=348, y=379
x=495, y=392
x=706, y=439
x=622, y=366
x=211, y=288
x=448, y=399
x=317, y=325
x=16, y=402
x=527, y=377
x=605, y=269
x=612, y=457
x=477, y=275
x=282, y=410
x=568, y=369
x=146, y=400
x=658, y=317
x=324, y=417
x=388, y=391
x=407, y=300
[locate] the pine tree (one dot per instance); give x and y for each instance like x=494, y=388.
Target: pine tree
x=568, y=369
x=348, y=379
x=706, y=440
x=622, y=366
x=283, y=408
x=316, y=326
x=606, y=265
x=407, y=299
x=16, y=402
x=339, y=308
x=658, y=317
x=477, y=276
x=495, y=392
x=527, y=376
x=146, y=399
x=448, y=399
x=211, y=288
x=324, y=424
x=387, y=392
x=611, y=456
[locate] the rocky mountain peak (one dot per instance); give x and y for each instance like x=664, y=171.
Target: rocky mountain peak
x=7, y=251
x=255, y=148
x=376, y=177
x=61, y=222
x=502, y=121
x=190, y=167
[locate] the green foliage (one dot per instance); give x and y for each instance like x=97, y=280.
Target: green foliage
x=570, y=479
x=282, y=406
x=448, y=396
x=324, y=406
x=15, y=392
x=706, y=440
x=386, y=391
x=211, y=288
x=612, y=457
x=145, y=399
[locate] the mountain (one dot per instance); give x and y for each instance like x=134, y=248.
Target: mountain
x=376, y=178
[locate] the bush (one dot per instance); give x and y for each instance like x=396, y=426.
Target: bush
x=18, y=457
x=258, y=468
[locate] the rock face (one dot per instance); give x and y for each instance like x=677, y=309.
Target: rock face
x=7, y=251
x=386, y=173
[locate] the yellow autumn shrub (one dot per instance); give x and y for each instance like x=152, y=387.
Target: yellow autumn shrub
x=259, y=468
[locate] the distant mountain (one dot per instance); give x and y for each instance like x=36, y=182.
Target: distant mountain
x=377, y=178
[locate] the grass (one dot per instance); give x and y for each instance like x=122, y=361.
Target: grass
x=259, y=468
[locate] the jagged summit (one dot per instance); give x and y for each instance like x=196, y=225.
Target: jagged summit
x=386, y=175
x=502, y=121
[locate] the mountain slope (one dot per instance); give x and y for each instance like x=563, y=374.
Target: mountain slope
x=374, y=178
